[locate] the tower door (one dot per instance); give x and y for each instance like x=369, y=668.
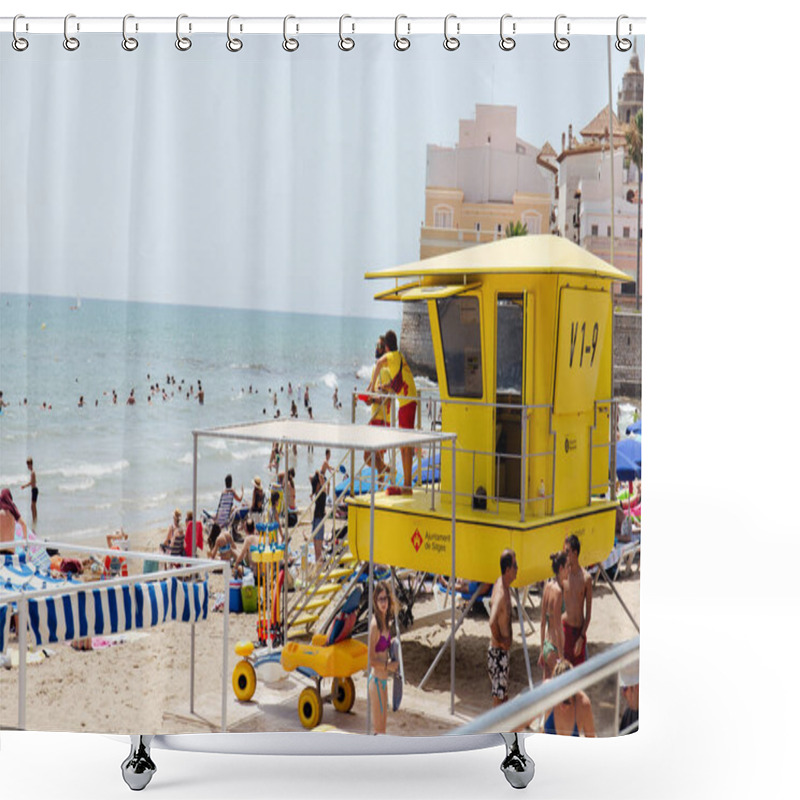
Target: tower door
x=509, y=360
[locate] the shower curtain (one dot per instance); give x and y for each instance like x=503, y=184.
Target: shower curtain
x=187, y=222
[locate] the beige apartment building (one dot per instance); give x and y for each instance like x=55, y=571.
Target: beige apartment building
x=489, y=179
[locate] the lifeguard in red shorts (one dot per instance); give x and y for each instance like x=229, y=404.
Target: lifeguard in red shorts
x=402, y=384
x=577, y=591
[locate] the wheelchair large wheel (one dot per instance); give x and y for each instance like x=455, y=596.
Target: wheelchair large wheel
x=343, y=694
x=244, y=680
x=309, y=708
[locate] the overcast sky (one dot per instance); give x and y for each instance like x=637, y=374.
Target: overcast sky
x=257, y=179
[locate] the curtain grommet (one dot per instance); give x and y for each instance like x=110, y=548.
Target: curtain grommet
x=507, y=43
x=18, y=42
x=71, y=43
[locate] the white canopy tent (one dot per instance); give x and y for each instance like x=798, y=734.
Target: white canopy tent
x=370, y=439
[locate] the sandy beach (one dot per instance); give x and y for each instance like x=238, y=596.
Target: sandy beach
x=140, y=682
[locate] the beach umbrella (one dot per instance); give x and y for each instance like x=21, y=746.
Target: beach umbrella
x=634, y=428
x=629, y=459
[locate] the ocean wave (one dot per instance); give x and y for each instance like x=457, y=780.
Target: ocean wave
x=86, y=470
x=252, y=452
x=330, y=380
x=77, y=486
x=215, y=444
x=10, y=481
x=425, y=383
x=364, y=372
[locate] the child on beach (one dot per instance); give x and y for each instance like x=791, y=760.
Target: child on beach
x=380, y=639
x=34, y=489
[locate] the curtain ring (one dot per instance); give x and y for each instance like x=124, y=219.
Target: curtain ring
x=401, y=42
x=70, y=42
x=345, y=43
x=183, y=43
x=289, y=45
x=623, y=45
x=561, y=43
x=451, y=42
x=128, y=42
x=507, y=42
x=18, y=43
x=234, y=45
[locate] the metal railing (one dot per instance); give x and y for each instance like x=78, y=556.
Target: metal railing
x=541, y=463
x=524, y=708
x=190, y=567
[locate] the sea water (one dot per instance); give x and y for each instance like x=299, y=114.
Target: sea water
x=105, y=466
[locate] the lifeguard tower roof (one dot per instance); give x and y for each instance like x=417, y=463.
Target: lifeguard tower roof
x=541, y=254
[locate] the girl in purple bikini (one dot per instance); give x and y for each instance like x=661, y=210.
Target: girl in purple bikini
x=380, y=639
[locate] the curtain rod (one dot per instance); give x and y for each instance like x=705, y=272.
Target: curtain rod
x=402, y=25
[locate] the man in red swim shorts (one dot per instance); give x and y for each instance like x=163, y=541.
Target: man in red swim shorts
x=402, y=384
x=577, y=602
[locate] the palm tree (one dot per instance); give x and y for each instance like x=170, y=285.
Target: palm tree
x=516, y=229
x=634, y=138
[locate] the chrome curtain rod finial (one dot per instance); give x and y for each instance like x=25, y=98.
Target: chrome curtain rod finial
x=70, y=42
x=289, y=44
x=183, y=43
x=128, y=42
x=17, y=42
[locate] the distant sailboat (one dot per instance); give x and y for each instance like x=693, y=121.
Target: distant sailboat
x=77, y=306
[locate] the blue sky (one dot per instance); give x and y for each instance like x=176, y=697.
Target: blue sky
x=256, y=179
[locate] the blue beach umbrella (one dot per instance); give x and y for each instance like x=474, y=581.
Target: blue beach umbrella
x=634, y=428
x=629, y=459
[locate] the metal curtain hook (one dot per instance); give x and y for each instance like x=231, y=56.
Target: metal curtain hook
x=451, y=42
x=70, y=42
x=506, y=42
x=234, y=45
x=561, y=43
x=623, y=45
x=128, y=42
x=290, y=45
x=401, y=42
x=182, y=42
x=345, y=43
x=18, y=43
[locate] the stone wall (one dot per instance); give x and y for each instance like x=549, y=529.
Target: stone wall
x=415, y=342
x=627, y=354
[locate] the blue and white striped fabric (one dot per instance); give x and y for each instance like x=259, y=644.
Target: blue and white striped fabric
x=5, y=626
x=98, y=610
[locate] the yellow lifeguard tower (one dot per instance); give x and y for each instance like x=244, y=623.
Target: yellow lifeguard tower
x=522, y=335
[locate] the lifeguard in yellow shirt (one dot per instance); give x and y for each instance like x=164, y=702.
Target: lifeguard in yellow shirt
x=402, y=384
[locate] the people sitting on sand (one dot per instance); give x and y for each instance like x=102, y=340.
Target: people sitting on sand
x=118, y=540
x=573, y=716
x=11, y=522
x=552, y=631
x=174, y=544
x=258, y=498
x=251, y=539
x=220, y=543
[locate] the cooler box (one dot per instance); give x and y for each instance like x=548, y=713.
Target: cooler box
x=235, y=597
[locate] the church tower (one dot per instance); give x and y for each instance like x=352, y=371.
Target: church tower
x=630, y=96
